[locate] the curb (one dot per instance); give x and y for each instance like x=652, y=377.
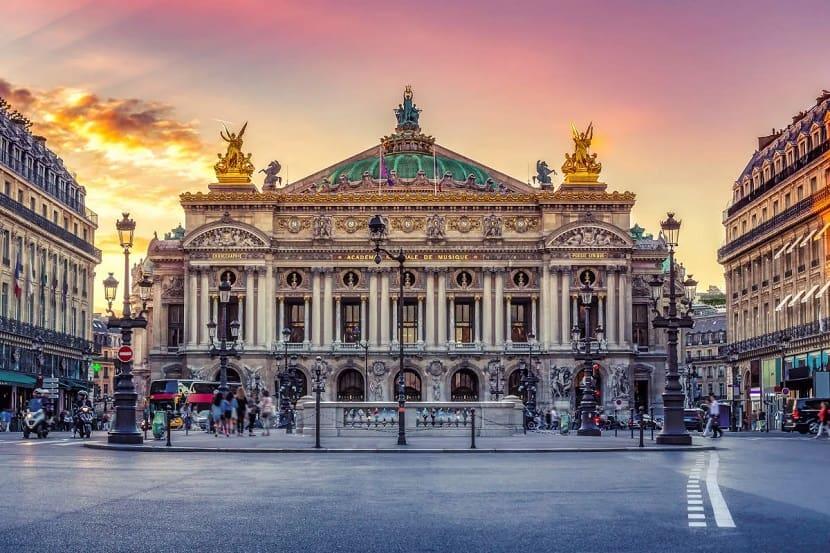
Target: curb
x=180, y=449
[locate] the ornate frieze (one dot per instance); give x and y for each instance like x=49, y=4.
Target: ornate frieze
x=293, y=224
x=589, y=236
x=465, y=224
x=408, y=224
x=521, y=224
x=351, y=225
x=226, y=237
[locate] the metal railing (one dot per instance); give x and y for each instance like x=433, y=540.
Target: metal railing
x=53, y=337
x=775, y=339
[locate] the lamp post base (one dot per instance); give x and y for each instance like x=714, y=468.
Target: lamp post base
x=131, y=438
x=589, y=432
x=674, y=439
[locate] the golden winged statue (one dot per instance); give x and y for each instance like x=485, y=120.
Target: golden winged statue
x=581, y=166
x=234, y=166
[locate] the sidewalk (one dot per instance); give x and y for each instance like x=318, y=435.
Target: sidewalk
x=386, y=442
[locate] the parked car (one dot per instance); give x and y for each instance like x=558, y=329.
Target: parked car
x=693, y=419
x=648, y=424
x=802, y=414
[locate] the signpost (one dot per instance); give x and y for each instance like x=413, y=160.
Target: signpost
x=50, y=384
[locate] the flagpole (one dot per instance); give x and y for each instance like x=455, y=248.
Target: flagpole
x=434, y=172
x=380, y=166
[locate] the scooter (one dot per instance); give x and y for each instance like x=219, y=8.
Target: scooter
x=83, y=422
x=35, y=423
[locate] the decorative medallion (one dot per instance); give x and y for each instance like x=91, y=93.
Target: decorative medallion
x=409, y=279
x=294, y=279
x=464, y=279
x=465, y=224
x=294, y=224
x=228, y=276
x=350, y=279
x=587, y=276
x=351, y=224
x=408, y=224
x=521, y=224
x=521, y=279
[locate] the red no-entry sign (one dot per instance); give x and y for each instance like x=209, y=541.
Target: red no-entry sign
x=125, y=354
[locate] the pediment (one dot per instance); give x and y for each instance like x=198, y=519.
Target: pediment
x=226, y=234
x=589, y=235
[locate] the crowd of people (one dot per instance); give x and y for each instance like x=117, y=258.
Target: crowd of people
x=233, y=413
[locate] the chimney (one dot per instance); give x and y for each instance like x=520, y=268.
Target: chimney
x=764, y=141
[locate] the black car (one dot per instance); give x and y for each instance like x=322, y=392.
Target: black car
x=693, y=419
x=801, y=414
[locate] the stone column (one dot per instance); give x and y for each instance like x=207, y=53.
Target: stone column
x=203, y=309
x=544, y=313
x=307, y=320
x=451, y=326
x=316, y=327
x=241, y=317
x=159, y=341
x=533, y=327
x=420, y=319
x=250, y=330
x=384, y=308
x=601, y=311
x=477, y=319
x=486, y=311
x=429, y=323
x=190, y=307
x=394, y=327
x=623, y=310
x=214, y=314
x=442, y=307
x=565, y=304
x=498, y=323
x=508, y=319
x=363, y=318
x=269, y=315
x=326, y=321
x=261, y=330
x=555, y=331
x=373, y=308
x=337, y=322
x=611, y=319
x=281, y=318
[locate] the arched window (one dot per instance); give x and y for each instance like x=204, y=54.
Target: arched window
x=350, y=386
x=412, y=383
x=514, y=382
x=464, y=386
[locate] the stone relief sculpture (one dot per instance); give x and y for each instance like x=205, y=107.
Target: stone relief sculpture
x=492, y=226
x=436, y=227
x=322, y=227
x=620, y=385
x=591, y=237
x=436, y=370
x=379, y=370
x=561, y=382
x=226, y=237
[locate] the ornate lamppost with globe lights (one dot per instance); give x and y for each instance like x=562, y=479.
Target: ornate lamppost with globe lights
x=587, y=348
x=378, y=233
x=674, y=429
x=226, y=345
x=124, y=430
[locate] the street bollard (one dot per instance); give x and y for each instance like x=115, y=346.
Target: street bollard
x=473, y=426
x=616, y=421
x=168, y=416
x=631, y=422
x=146, y=424
x=642, y=422
x=653, y=424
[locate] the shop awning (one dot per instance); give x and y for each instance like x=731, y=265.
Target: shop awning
x=807, y=238
x=823, y=290
x=15, y=378
x=781, y=305
x=781, y=251
x=795, y=243
x=795, y=298
x=820, y=233
x=809, y=294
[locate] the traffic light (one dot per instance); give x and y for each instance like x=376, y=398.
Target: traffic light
x=96, y=368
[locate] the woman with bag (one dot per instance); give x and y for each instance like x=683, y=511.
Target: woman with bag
x=266, y=409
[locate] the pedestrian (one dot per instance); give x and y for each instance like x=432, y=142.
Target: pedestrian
x=241, y=408
x=762, y=421
x=217, y=413
x=228, y=414
x=252, y=413
x=708, y=427
x=714, y=414
x=266, y=410
x=823, y=422
x=554, y=419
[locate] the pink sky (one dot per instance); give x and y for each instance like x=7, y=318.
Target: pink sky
x=677, y=91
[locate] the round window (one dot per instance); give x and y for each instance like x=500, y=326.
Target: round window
x=350, y=279
x=408, y=279
x=521, y=279
x=229, y=276
x=294, y=279
x=464, y=279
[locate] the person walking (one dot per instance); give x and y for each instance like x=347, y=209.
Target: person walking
x=253, y=409
x=823, y=422
x=708, y=427
x=217, y=413
x=230, y=415
x=762, y=421
x=714, y=415
x=241, y=408
x=266, y=410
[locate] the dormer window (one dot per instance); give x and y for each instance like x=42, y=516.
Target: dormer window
x=802, y=148
x=777, y=165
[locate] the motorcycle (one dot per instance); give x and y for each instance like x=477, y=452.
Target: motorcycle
x=83, y=422
x=35, y=422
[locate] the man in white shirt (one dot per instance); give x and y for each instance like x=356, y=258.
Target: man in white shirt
x=714, y=415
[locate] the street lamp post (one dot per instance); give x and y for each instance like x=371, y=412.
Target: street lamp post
x=319, y=388
x=733, y=366
x=783, y=344
x=691, y=377
x=378, y=232
x=674, y=429
x=588, y=349
x=286, y=385
x=529, y=383
x=227, y=344
x=124, y=430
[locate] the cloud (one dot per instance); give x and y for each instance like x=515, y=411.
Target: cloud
x=130, y=154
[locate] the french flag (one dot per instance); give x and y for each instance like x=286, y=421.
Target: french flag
x=18, y=277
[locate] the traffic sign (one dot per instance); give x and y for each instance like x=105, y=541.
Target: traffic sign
x=785, y=391
x=125, y=354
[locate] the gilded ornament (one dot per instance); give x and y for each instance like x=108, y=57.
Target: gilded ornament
x=294, y=224
x=521, y=224
x=234, y=166
x=351, y=224
x=465, y=224
x=408, y=224
x=582, y=166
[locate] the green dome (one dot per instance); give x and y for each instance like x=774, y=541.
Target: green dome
x=407, y=166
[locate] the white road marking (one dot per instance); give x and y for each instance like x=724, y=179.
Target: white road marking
x=694, y=508
x=723, y=518
x=695, y=502
x=697, y=516
x=697, y=524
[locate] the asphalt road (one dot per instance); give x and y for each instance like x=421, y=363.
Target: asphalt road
x=757, y=493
